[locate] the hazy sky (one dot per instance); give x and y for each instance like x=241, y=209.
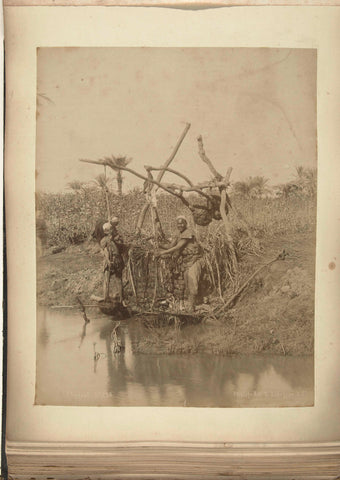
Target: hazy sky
x=255, y=108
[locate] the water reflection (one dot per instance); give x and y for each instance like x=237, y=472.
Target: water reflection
x=89, y=372
x=83, y=334
x=44, y=334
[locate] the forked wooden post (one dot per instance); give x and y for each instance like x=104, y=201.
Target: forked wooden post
x=222, y=186
x=206, y=160
x=227, y=226
x=152, y=202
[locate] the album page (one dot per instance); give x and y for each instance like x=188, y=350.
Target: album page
x=172, y=224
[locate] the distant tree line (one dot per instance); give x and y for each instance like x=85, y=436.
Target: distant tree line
x=303, y=184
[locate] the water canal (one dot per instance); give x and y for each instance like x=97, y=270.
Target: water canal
x=76, y=366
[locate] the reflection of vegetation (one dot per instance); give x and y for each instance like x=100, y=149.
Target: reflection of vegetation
x=83, y=334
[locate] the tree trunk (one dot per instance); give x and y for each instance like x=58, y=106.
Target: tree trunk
x=120, y=183
x=108, y=212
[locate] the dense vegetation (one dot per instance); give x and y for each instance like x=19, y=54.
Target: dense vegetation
x=71, y=216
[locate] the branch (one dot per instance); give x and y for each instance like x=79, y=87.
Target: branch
x=206, y=160
x=194, y=188
x=126, y=169
x=227, y=176
x=212, y=184
x=281, y=256
x=181, y=188
x=175, y=172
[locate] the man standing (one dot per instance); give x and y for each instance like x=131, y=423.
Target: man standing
x=186, y=246
x=113, y=262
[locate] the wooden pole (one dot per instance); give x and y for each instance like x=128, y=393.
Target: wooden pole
x=156, y=260
x=142, y=215
x=227, y=226
x=170, y=170
x=281, y=256
x=174, y=152
x=132, y=281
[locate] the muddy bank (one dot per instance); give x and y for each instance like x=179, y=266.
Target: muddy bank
x=278, y=322
x=275, y=314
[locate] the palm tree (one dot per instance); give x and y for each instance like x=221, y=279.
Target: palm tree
x=258, y=186
x=252, y=187
x=306, y=179
x=286, y=190
x=77, y=186
x=242, y=188
x=103, y=182
x=119, y=161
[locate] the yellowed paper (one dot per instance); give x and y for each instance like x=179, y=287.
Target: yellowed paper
x=28, y=29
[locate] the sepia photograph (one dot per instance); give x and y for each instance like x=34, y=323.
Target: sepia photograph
x=175, y=201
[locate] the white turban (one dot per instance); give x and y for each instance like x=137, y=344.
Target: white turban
x=107, y=227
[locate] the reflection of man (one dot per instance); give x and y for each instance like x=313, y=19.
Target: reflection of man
x=186, y=246
x=113, y=262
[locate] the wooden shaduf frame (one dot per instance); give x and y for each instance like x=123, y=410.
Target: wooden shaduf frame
x=151, y=185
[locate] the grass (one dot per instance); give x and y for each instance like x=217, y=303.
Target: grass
x=276, y=216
